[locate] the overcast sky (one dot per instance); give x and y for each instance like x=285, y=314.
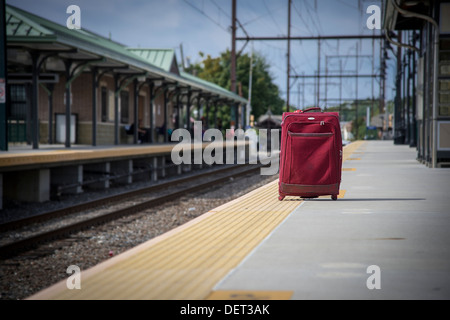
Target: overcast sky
x=203, y=25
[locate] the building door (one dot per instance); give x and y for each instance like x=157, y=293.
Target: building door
x=18, y=108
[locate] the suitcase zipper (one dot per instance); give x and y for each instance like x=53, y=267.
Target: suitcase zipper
x=322, y=123
x=297, y=114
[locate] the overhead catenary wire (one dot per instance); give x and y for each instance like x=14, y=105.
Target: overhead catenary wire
x=201, y=11
x=301, y=18
x=273, y=18
x=263, y=15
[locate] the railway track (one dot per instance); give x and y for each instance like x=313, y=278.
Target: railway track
x=138, y=200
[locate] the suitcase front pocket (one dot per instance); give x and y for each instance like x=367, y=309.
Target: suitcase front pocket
x=311, y=161
x=298, y=134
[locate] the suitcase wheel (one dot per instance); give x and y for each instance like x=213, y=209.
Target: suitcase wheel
x=280, y=198
x=334, y=197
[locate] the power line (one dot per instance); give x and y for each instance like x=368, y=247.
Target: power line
x=333, y=37
x=273, y=19
x=220, y=9
x=207, y=16
x=319, y=29
x=261, y=16
x=341, y=1
x=301, y=17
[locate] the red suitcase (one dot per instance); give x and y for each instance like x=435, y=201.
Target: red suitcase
x=310, y=154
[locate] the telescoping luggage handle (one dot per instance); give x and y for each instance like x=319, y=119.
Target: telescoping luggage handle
x=307, y=110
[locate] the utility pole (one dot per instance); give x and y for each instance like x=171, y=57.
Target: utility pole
x=383, y=106
x=288, y=55
x=249, y=104
x=233, y=46
x=373, y=70
x=303, y=92
x=182, y=57
x=340, y=87
x=233, y=111
x=408, y=92
x=326, y=80
x=318, y=73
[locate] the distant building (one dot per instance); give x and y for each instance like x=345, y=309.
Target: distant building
x=270, y=122
x=383, y=127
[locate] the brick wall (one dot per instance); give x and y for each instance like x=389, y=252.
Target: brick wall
x=82, y=106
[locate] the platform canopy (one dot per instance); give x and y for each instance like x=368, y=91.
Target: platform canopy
x=30, y=33
x=395, y=21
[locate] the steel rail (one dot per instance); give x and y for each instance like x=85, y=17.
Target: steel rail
x=14, y=224
x=17, y=247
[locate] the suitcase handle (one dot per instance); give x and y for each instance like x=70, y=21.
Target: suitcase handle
x=309, y=109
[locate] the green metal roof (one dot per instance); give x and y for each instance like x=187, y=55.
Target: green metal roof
x=164, y=58
x=202, y=81
x=19, y=26
x=82, y=39
x=161, y=58
x=25, y=27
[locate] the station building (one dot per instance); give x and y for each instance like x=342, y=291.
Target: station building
x=76, y=90
x=73, y=86
x=418, y=32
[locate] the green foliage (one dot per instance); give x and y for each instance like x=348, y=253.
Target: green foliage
x=265, y=93
x=359, y=128
x=347, y=112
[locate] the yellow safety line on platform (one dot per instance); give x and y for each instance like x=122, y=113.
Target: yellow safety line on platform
x=188, y=261
x=352, y=147
x=249, y=295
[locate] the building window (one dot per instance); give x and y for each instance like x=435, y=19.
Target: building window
x=18, y=113
x=124, y=97
x=107, y=104
x=444, y=78
x=444, y=98
x=18, y=107
x=104, y=103
x=444, y=21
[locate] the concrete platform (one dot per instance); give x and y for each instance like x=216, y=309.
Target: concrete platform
x=386, y=237
x=395, y=216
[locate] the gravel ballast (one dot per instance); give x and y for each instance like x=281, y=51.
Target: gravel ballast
x=31, y=272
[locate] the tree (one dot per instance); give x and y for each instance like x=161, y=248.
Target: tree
x=347, y=112
x=265, y=93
